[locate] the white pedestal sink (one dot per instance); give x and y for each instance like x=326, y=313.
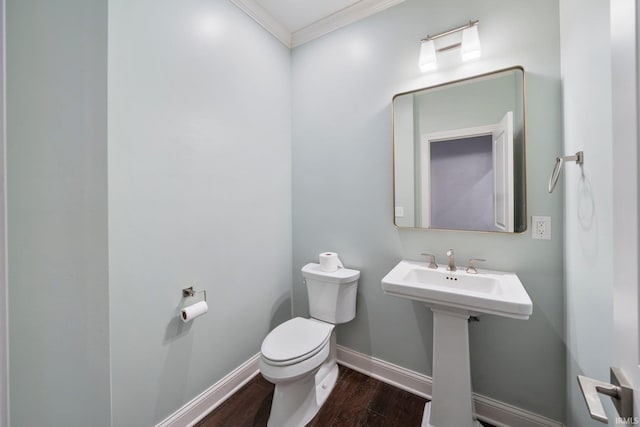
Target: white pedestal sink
x=453, y=297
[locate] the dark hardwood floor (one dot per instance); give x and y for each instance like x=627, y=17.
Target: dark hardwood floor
x=357, y=400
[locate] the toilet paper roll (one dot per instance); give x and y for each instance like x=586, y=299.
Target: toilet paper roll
x=330, y=262
x=189, y=313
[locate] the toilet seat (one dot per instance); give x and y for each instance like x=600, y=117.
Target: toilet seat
x=294, y=341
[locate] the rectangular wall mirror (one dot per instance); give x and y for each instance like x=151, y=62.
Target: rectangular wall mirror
x=459, y=155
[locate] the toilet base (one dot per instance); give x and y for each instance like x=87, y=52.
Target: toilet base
x=296, y=403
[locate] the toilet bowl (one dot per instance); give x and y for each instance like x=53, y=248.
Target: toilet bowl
x=299, y=356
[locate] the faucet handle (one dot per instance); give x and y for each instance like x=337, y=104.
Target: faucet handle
x=432, y=262
x=472, y=268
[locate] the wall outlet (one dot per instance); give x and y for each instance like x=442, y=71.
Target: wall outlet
x=541, y=227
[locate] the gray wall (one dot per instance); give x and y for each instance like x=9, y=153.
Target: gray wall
x=199, y=194
x=586, y=79
x=343, y=84
x=57, y=212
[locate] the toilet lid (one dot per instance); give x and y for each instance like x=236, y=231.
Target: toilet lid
x=295, y=340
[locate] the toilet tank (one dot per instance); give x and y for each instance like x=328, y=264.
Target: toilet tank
x=332, y=295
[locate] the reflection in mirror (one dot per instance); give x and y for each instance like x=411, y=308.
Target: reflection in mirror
x=459, y=155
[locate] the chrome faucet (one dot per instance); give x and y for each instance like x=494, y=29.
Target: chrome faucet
x=452, y=262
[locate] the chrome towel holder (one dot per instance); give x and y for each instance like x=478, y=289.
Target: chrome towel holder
x=578, y=158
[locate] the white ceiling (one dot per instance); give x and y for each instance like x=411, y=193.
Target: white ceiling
x=295, y=22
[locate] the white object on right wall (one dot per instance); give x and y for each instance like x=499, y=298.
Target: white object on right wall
x=541, y=227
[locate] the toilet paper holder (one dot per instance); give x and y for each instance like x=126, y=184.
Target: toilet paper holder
x=190, y=292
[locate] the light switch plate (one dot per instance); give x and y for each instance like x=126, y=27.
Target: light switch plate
x=399, y=212
x=541, y=227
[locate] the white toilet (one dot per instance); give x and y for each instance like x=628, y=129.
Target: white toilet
x=299, y=356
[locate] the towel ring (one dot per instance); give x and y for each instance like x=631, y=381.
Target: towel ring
x=578, y=158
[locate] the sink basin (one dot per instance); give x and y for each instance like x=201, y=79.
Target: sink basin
x=492, y=292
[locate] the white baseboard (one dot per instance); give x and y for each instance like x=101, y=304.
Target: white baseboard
x=397, y=376
x=487, y=409
x=490, y=410
x=214, y=396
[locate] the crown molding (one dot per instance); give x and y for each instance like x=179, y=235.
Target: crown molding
x=336, y=20
x=264, y=18
x=339, y=19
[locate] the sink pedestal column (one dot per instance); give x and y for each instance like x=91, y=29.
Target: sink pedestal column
x=451, y=404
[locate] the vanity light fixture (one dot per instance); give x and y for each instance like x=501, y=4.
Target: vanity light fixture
x=469, y=46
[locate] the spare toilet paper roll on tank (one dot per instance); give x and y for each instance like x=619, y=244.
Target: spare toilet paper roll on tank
x=330, y=262
x=190, y=312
